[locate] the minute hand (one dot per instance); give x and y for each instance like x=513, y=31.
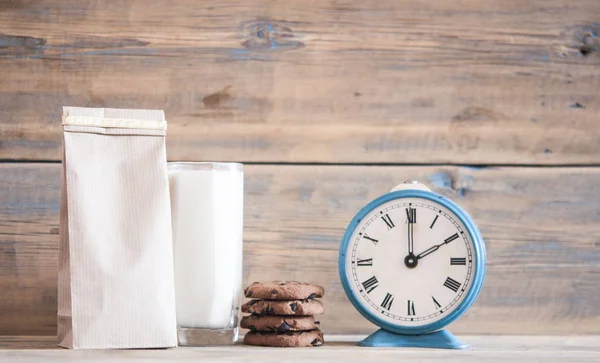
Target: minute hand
x=410, y=219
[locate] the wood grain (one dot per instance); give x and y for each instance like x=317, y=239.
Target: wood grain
x=336, y=81
x=337, y=348
x=541, y=226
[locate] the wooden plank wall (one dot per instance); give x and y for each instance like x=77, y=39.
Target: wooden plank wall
x=329, y=103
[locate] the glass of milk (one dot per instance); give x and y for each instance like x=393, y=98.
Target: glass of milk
x=207, y=212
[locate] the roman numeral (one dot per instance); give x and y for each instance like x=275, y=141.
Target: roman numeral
x=434, y=220
x=386, y=218
x=452, y=284
x=387, y=301
x=436, y=303
x=411, y=215
x=371, y=284
x=458, y=261
x=367, y=262
x=370, y=238
x=411, y=307
x=451, y=238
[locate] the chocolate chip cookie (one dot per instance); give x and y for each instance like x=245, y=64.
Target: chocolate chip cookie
x=311, y=338
x=278, y=323
x=283, y=290
x=291, y=307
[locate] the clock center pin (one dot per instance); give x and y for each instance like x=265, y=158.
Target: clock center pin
x=411, y=261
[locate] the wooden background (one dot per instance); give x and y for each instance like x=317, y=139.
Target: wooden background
x=330, y=104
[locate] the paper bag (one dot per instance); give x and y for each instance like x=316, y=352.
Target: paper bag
x=115, y=285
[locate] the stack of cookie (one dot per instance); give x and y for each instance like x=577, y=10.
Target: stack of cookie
x=282, y=314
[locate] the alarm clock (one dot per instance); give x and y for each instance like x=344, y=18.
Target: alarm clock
x=412, y=262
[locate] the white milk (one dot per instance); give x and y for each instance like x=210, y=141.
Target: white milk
x=207, y=214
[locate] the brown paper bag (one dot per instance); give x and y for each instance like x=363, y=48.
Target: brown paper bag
x=115, y=285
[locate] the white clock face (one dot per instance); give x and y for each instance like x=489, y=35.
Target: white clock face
x=410, y=261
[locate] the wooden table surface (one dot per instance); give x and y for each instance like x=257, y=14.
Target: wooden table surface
x=488, y=348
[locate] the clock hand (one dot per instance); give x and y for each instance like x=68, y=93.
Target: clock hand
x=435, y=247
x=410, y=260
x=410, y=232
x=429, y=251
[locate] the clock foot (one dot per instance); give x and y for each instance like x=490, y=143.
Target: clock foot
x=441, y=339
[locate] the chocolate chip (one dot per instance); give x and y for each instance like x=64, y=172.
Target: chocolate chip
x=267, y=310
x=284, y=327
x=316, y=342
x=312, y=296
x=249, y=293
x=294, y=306
x=273, y=292
x=317, y=322
x=252, y=302
x=281, y=283
x=252, y=328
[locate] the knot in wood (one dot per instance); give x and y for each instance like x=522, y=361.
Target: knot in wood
x=269, y=35
x=584, y=38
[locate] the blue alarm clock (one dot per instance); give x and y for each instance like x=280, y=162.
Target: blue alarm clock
x=412, y=262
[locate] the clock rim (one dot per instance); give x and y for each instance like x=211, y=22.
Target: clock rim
x=478, y=250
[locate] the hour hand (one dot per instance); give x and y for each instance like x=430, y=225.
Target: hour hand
x=435, y=248
x=428, y=251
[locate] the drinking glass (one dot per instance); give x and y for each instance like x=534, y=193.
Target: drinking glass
x=207, y=215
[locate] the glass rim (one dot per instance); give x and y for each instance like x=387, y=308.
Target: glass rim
x=205, y=165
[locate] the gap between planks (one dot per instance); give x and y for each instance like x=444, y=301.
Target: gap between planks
x=285, y=163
